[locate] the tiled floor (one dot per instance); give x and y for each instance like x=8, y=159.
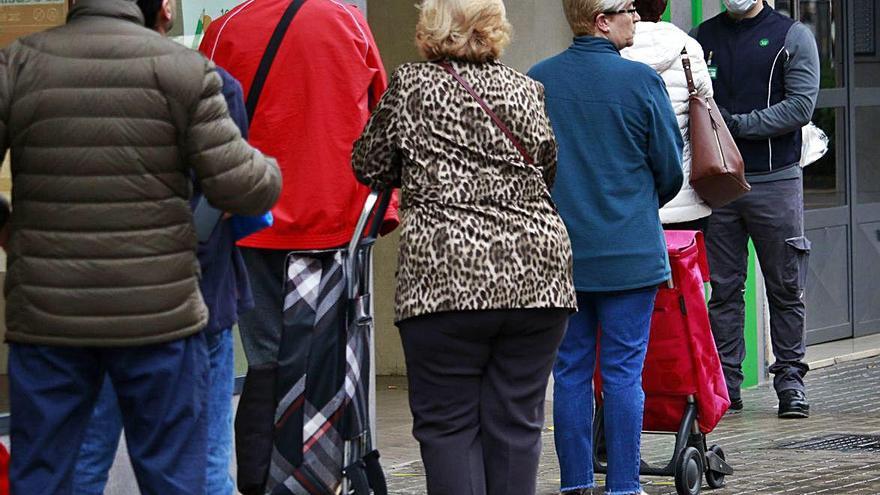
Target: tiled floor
x=845, y=399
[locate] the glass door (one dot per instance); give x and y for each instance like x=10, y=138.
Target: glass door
x=866, y=180
x=826, y=184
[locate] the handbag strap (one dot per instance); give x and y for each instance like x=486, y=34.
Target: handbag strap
x=498, y=122
x=686, y=63
x=253, y=97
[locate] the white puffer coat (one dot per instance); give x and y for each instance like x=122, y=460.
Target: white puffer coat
x=659, y=45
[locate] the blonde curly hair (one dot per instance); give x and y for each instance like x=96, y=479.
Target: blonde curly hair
x=469, y=30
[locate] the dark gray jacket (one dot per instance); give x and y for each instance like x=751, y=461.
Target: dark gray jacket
x=106, y=120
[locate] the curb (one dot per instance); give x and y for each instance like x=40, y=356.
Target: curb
x=846, y=358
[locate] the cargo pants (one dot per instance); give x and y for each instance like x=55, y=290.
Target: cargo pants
x=772, y=215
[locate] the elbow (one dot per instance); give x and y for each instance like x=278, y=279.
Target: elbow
x=265, y=193
x=804, y=113
x=800, y=111
x=674, y=187
x=361, y=175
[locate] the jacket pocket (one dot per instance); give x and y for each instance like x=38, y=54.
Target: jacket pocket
x=797, y=263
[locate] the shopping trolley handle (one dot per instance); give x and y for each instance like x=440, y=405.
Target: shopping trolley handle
x=374, y=207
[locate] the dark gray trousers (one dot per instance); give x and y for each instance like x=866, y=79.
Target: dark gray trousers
x=772, y=214
x=477, y=381
x=261, y=329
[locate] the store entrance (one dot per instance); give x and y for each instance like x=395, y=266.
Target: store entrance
x=842, y=190
x=866, y=176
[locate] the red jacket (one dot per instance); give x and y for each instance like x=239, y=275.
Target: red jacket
x=323, y=84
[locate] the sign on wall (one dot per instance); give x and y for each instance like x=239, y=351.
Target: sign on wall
x=23, y=17
x=195, y=16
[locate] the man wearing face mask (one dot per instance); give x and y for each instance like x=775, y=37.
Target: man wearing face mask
x=765, y=74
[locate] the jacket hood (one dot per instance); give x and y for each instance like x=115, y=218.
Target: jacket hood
x=657, y=44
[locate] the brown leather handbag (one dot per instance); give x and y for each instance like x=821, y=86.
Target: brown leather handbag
x=717, y=169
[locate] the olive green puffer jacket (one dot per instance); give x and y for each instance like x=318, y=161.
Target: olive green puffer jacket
x=106, y=121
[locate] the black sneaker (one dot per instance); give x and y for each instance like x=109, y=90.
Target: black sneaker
x=736, y=406
x=793, y=404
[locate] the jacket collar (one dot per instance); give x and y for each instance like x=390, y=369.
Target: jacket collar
x=745, y=23
x=118, y=9
x=594, y=44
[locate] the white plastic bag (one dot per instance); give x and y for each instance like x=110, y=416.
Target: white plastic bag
x=814, y=145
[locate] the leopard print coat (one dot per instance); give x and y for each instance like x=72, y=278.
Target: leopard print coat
x=479, y=230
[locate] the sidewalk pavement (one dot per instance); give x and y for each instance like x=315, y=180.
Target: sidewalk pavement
x=845, y=399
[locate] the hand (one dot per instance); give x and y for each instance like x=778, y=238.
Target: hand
x=729, y=121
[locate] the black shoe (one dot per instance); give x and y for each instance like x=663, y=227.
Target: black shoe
x=736, y=406
x=793, y=404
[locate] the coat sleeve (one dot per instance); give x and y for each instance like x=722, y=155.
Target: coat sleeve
x=546, y=157
x=664, y=143
x=377, y=158
x=234, y=176
x=378, y=86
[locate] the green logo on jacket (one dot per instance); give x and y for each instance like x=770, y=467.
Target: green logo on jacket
x=764, y=42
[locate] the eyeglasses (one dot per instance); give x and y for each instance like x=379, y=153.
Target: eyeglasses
x=631, y=11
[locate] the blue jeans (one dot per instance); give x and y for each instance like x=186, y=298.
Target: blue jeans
x=162, y=391
x=625, y=320
x=102, y=436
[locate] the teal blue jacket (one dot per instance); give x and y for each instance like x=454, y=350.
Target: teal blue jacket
x=619, y=161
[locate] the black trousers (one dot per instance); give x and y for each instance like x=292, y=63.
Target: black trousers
x=477, y=381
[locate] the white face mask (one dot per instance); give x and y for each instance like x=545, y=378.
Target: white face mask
x=739, y=7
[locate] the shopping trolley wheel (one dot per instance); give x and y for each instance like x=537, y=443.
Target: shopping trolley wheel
x=689, y=472
x=715, y=479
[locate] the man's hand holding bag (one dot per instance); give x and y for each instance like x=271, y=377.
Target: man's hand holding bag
x=717, y=168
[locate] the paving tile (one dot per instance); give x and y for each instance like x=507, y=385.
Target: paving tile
x=845, y=399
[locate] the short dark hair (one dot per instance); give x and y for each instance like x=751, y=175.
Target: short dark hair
x=651, y=10
x=150, y=9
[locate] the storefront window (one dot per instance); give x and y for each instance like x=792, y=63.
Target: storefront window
x=866, y=37
x=825, y=180
x=824, y=19
x=867, y=131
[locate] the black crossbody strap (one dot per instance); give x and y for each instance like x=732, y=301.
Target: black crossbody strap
x=253, y=98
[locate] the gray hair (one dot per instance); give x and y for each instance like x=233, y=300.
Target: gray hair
x=581, y=14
